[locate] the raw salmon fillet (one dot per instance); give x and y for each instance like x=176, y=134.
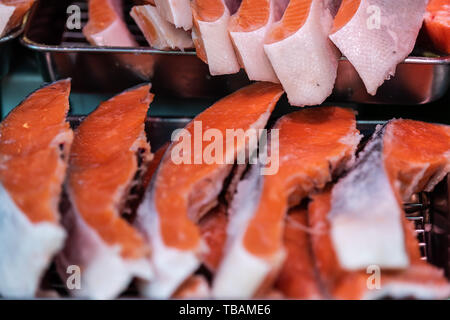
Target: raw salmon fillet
x=159, y=33
x=420, y=280
x=211, y=38
x=376, y=35
x=109, y=156
x=213, y=230
x=12, y=13
x=34, y=146
x=403, y=157
x=314, y=145
x=213, y=226
x=177, y=12
x=248, y=28
x=182, y=193
x=297, y=278
x=106, y=26
x=437, y=24
x=304, y=59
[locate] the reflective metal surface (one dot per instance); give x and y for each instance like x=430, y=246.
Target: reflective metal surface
x=65, y=53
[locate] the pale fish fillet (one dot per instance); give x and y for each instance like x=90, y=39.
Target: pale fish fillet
x=34, y=146
x=172, y=207
x=12, y=13
x=420, y=280
x=106, y=26
x=211, y=38
x=159, y=33
x=177, y=12
x=314, y=145
x=403, y=157
x=376, y=35
x=304, y=59
x=248, y=28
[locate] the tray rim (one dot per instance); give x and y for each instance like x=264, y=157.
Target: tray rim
x=16, y=32
x=87, y=48
x=36, y=46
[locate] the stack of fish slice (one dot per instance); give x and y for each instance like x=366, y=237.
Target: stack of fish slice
x=293, y=42
x=306, y=223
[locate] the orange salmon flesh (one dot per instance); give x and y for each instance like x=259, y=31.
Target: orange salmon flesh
x=30, y=159
x=176, y=228
x=103, y=163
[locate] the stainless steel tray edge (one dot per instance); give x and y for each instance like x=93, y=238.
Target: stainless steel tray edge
x=418, y=80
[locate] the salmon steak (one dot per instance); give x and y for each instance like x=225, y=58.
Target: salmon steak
x=110, y=155
x=376, y=35
x=159, y=33
x=35, y=141
x=177, y=12
x=106, y=25
x=297, y=278
x=366, y=216
x=248, y=28
x=304, y=59
x=213, y=230
x=182, y=192
x=12, y=13
x=313, y=146
x=420, y=280
x=211, y=38
x=437, y=24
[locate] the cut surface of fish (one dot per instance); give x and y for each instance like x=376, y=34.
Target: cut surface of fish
x=248, y=28
x=420, y=280
x=181, y=193
x=213, y=228
x=402, y=157
x=437, y=24
x=314, y=145
x=159, y=33
x=12, y=13
x=109, y=156
x=297, y=278
x=211, y=38
x=106, y=26
x=177, y=12
x=304, y=59
x=34, y=146
x=376, y=35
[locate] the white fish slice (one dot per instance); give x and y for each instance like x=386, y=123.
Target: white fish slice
x=212, y=40
x=159, y=33
x=379, y=36
x=177, y=12
x=366, y=206
x=304, y=59
x=248, y=40
x=113, y=34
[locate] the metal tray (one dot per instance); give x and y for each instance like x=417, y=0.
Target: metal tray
x=64, y=53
